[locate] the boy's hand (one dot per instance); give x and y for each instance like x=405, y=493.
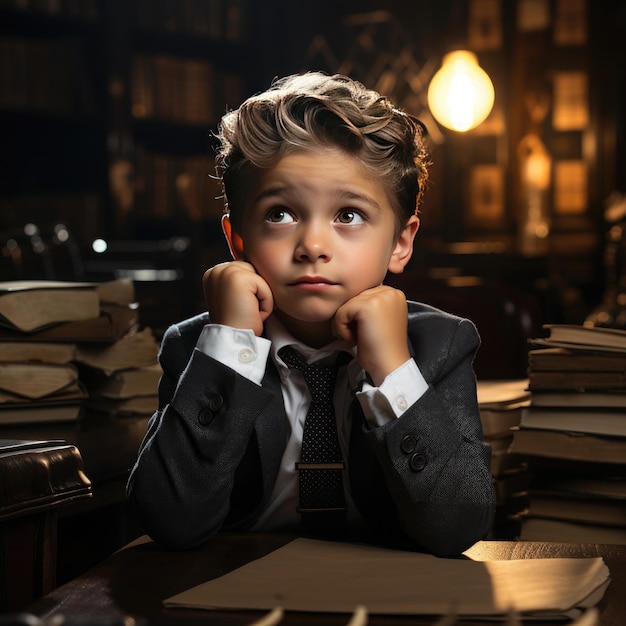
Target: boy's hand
x=237, y=296
x=376, y=322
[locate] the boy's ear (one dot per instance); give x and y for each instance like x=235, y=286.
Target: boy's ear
x=404, y=246
x=235, y=242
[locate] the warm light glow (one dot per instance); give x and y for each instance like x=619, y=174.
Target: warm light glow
x=461, y=94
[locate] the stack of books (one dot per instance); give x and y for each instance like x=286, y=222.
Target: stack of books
x=500, y=403
x=55, y=334
x=122, y=379
x=573, y=436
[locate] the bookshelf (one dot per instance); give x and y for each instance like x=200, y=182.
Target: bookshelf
x=51, y=108
x=108, y=109
x=134, y=87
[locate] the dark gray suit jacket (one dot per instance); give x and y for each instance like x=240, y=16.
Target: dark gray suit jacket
x=213, y=449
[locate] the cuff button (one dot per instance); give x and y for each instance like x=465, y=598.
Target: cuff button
x=409, y=442
x=417, y=462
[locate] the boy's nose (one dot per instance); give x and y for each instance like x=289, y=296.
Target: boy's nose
x=313, y=244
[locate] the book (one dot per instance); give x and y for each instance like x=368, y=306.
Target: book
x=606, y=487
x=575, y=380
x=598, y=337
x=113, y=322
x=122, y=384
x=577, y=509
x=70, y=394
x=503, y=461
x=125, y=407
x=563, y=359
x=137, y=349
x=500, y=403
x=36, y=380
x=542, y=529
x=32, y=305
x=501, y=393
x=500, y=420
x=569, y=446
x=47, y=352
x=590, y=420
x=579, y=398
x=40, y=412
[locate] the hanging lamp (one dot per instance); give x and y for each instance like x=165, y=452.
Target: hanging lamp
x=461, y=94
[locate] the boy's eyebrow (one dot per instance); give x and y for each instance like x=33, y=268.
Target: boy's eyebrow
x=342, y=194
x=352, y=195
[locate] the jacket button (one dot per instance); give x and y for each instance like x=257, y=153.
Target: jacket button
x=215, y=402
x=205, y=417
x=417, y=462
x=408, y=444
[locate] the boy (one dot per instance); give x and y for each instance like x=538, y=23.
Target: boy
x=321, y=178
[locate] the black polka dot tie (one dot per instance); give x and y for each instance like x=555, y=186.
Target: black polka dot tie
x=321, y=462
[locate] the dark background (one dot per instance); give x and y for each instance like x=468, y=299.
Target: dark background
x=70, y=125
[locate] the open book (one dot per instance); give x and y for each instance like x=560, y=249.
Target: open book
x=325, y=576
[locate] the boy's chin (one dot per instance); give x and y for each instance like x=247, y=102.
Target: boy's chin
x=306, y=317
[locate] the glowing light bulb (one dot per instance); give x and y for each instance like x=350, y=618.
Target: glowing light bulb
x=461, y=94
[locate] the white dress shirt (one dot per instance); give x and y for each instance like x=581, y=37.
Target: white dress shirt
x=247, y=354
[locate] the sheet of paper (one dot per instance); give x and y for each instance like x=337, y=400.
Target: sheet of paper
x=324, y=576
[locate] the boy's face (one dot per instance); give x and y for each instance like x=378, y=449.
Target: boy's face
x=320, y=230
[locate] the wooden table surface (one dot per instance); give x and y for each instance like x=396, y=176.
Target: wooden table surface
x=135, y=581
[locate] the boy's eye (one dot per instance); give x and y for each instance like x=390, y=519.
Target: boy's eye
x=350, y=217
x=279, y=216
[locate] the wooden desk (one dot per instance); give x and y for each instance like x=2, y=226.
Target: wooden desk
x=135, y=580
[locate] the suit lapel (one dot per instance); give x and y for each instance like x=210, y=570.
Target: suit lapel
x=272, y=430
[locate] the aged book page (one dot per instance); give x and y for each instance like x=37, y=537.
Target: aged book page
x=325, y=576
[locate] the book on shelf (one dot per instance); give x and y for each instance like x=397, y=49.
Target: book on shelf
x=32, y=305
x=70, y=394
x=579, y=398
x=137, y=349
x=40, y=412
x=36, y=380
x=113, y=322
x=511, y=483
x=63, y=406
x=595, y=336
x=577, y=509
x=499, y=394
x=122, y=384
x=610, y=485
x=598, y=421
x=47, y=310
x=578, y=337
x=500, y=420
x=576, y=380
x=503, y=461
x=45, y=351
x=543, y=529
x=500, y=403
x=569, y=446
x=565, y=360
x=124, y=407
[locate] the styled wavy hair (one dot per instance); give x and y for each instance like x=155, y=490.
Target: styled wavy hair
x=313, y=111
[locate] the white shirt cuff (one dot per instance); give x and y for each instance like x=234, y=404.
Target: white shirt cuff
x=237, y=348
x=400, y=390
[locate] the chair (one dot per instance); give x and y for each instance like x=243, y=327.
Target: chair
x=36, y=479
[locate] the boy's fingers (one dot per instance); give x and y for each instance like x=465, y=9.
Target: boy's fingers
x=344, y=323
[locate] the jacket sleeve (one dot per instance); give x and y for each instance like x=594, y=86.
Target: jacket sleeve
x=435, y=463
x=182, y=483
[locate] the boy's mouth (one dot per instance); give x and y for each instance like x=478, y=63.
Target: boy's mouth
x=312, y=280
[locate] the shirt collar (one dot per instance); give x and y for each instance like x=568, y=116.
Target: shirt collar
x=280, y=337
